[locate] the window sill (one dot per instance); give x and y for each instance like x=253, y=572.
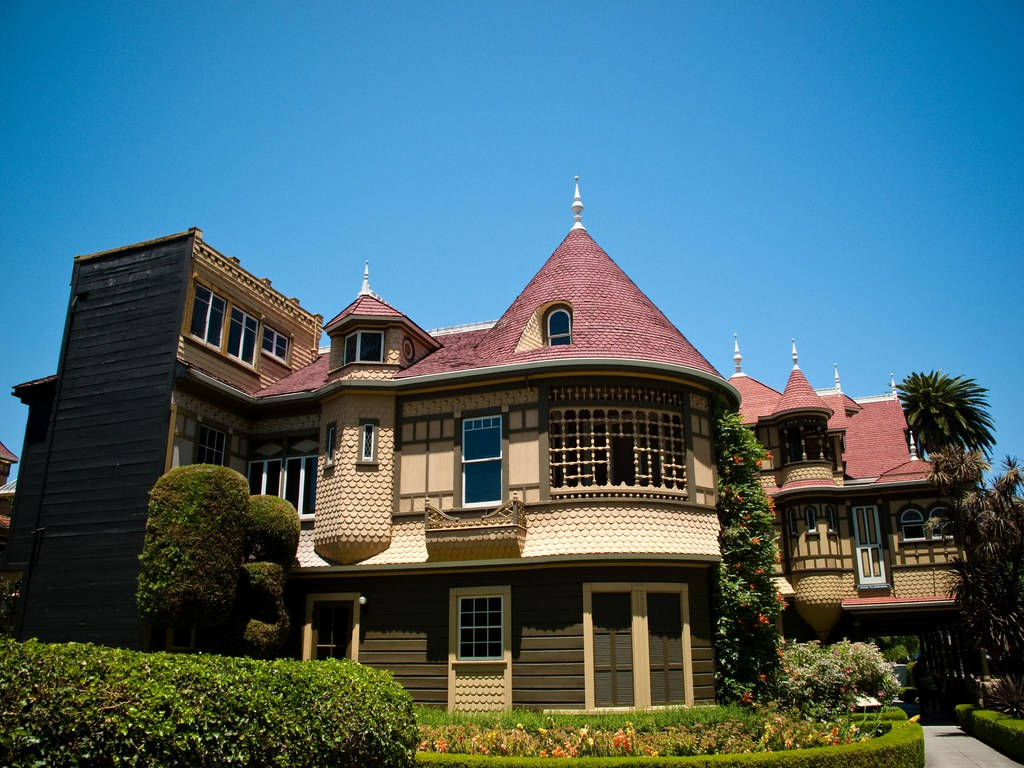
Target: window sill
x=221, y=354
x=279, y=360
x=307, y=518
x=874, y=586
x=478, y=662
x=367, y=465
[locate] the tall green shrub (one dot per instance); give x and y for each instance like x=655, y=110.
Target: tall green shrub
x=195, y=539
x=747, y=602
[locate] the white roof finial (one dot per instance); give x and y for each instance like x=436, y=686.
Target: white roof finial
x=892, y=384
x=913, y=446
x=839, y=389
x=365, y=290
x=737, y=357
x=795, y=357
x=577, y=207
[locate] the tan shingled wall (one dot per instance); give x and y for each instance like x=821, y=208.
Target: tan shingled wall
x=354, y=502
x=819, y=597
x=460, y=403
x=479, y=688
x=921, y=582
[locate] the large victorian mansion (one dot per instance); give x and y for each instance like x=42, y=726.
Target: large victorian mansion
x=516, y=513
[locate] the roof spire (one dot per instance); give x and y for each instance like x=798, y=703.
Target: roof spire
x=577, y=207
x=365, y=290
x=737, y=357
x=913, y=446
x=796, y=365
x=839, y=389
x=892, y=384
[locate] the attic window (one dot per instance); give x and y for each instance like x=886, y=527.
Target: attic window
x=559, y=327
x=364, y=347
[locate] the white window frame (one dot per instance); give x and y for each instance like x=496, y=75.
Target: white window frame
x=811, y=519
x=206, y=320
x=935, y=535
x=832, y=518
x=264, y=491
x=553, y=336
x=500, y=627
x=368, y=448
x=202, y=447
x=237, y=354
x=287, y=460
x=921, y=521
x=479, y=423
x=274, y=337
x=359, y=347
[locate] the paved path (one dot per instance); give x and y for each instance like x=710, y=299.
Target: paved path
x=946, y=746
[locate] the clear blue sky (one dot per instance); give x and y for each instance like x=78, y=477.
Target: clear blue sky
x=850, y=174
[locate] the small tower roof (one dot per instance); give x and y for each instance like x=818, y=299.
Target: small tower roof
x=799, y=395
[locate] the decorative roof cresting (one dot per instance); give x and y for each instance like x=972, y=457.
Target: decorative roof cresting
x=577, y=207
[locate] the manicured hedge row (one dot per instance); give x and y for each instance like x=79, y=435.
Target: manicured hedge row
x=75, y=704
x=1000, y=731
x=901, y=747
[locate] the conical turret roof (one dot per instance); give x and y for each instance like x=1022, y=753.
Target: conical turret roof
x=799, y=395
x=611, y=316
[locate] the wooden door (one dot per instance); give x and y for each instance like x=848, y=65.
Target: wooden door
x=613, y=649
x=868, y=545
x=332, y=630
x=665, y=642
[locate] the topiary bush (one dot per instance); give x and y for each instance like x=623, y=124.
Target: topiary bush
x=261, y=605
x=824, y=681
x=273, y=532
x=75, y=704
x=195, y=537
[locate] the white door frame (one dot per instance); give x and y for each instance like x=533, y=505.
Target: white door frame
x=866, y=549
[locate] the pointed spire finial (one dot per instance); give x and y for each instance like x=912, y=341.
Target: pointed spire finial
x=577, y=207
x=913, y=447
x=365, y=290
x=892, y=384
x=737, y=357
x=796, y=364
x=839, y=389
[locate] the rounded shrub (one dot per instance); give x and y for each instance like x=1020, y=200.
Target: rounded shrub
x=74, y=704
x=261, y=603
x=195, y=539
x=273, y=533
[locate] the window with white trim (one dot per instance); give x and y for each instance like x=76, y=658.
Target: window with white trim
x=481, y=461
x=368, y=442
x=265, y=477
x=300, y=483
x=559, y=327
x=939, y=524
x=833, y=521
x=242, y=336
x=275, y=343
x=207, y=315
x=811, y=520
x=481, y=626
x=364, y=347
x=912, y=524
x=210, y=447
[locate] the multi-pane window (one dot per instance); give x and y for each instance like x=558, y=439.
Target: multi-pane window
x=292, y=478
x=207, y=315
x=559, y=328
x=480, y=627
x=211, y=445
x=275, y=343
x=608, y=447
x=368, y=442
x=364, y=347
x=242, y=336
x=481, y=460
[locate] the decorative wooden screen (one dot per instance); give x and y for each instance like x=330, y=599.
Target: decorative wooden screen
x=611, y=447
x=665, y=633
x=613, y=649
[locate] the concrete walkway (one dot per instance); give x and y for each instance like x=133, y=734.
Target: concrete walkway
x=946, y=746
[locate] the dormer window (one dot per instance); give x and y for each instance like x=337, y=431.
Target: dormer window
x=364, y=347
x=559, y=327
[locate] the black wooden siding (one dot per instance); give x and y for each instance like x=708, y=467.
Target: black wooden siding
x=404, y=627
x=105, y=448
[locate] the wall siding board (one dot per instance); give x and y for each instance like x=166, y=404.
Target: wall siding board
x=109, y=432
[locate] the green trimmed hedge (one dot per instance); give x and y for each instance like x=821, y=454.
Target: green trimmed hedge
x=74, y=704
x=901, y=747
x=1000, y=731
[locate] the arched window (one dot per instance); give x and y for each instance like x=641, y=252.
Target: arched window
x=939, y=524
x=811, y=519
x=830, y=515
x=559, y=326
x=794, y=526
x=912, y=524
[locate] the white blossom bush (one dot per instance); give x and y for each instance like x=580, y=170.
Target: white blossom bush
x=824, y=681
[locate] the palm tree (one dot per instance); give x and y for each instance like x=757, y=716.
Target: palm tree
x=945, y=410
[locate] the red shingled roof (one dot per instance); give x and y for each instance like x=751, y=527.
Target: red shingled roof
x=758, y=399
x=306, y=379
x=366, y=305
x=458, y=353
x=800, y=395
x=840, y=404
x=908, y=470
x=611, y=317
x=876, y=439
x=6, y=455
x=794, y=484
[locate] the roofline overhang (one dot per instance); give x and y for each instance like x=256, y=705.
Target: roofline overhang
x=143, y=244
x=854, y=485
x=384, y=320
x=802, y=409
x=900, y=605
x=507, y=562
x=520, y=370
